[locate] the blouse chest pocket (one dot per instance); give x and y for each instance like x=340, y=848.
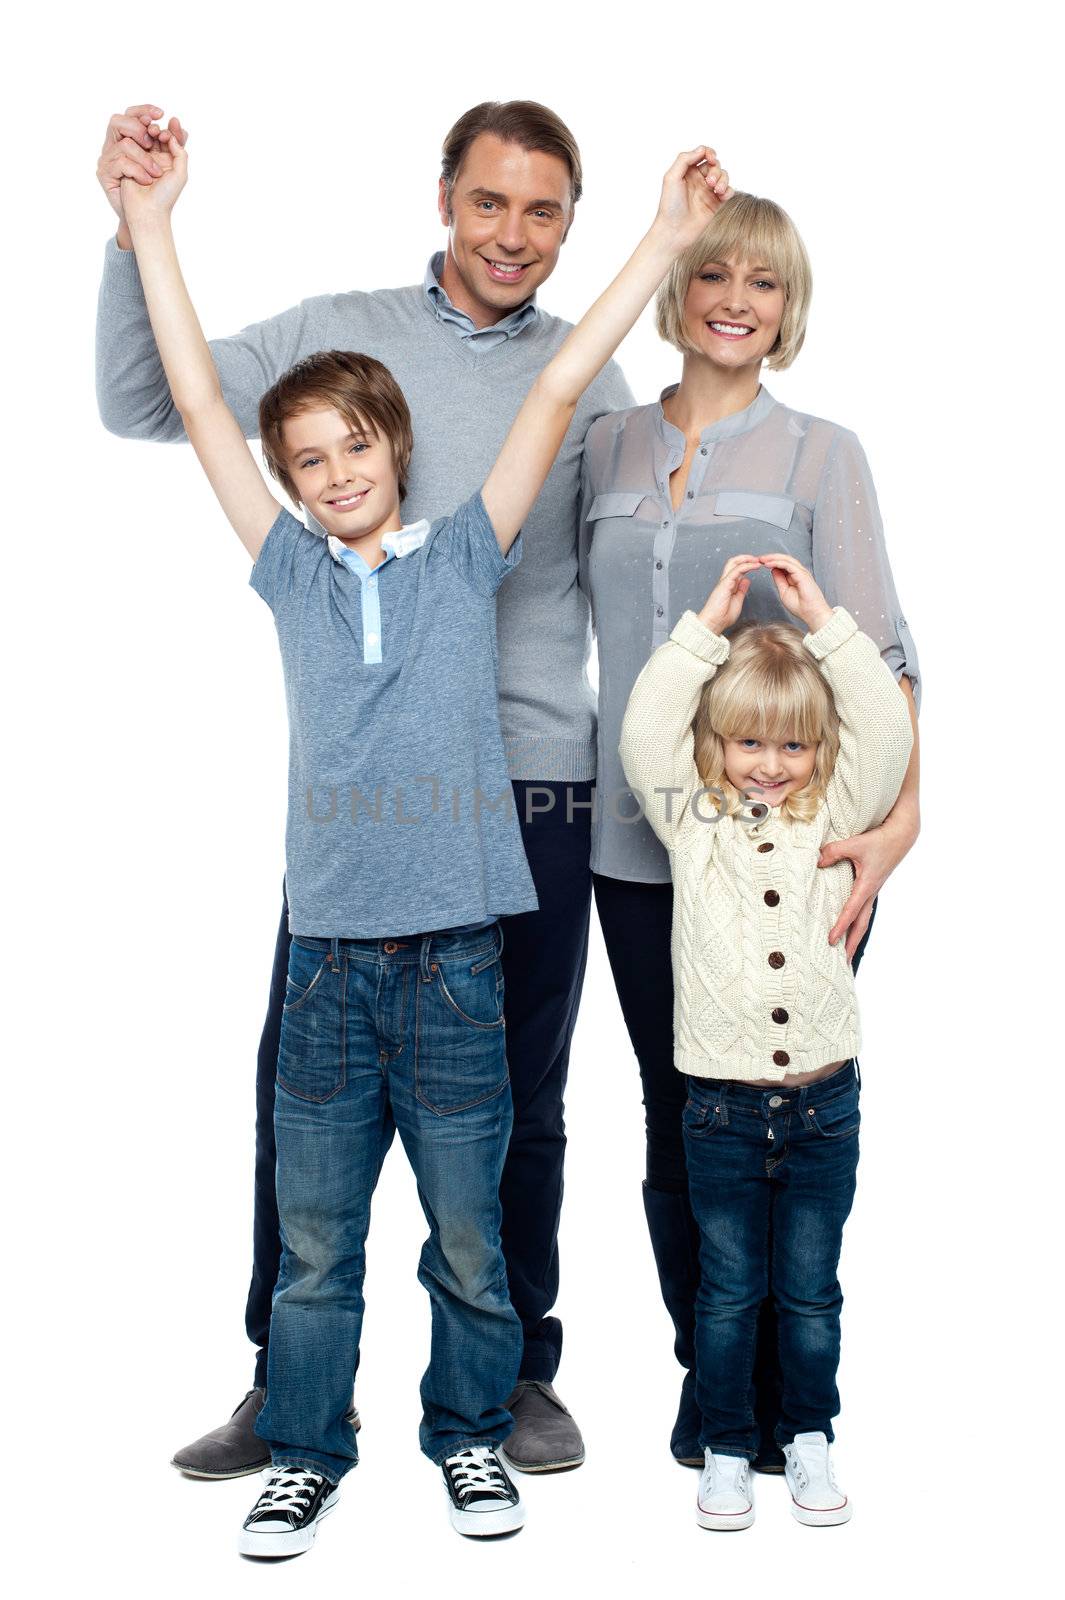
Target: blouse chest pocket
x=615, y=504
x=777, y=509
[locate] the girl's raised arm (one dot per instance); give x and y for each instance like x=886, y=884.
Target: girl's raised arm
x=692, y=190
x=213, y=431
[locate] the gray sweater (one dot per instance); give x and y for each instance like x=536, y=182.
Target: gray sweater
x=462, y=401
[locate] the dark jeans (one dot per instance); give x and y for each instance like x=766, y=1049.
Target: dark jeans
x=544, y=957
x=378, y=1037
x=636, y=919
x=771, y=1177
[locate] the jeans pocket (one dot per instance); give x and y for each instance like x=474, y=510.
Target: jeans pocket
x=702, y=1114
x=460, y=1060
x=311, y=1055
x=837, y=1118
x=473, y=989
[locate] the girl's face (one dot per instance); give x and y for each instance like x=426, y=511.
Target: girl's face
x=732, y=312
x=345, y=477
x=769, y=770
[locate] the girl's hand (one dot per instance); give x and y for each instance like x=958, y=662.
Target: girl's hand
x=157, y=198
x=692, y=190
x=726, y=599
x=798, y=592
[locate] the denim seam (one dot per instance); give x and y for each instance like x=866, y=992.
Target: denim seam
x=308, y=1464
x=482, y=1441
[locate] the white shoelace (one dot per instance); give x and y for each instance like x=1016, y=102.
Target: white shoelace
x=288, y=1490
x=476, y=1471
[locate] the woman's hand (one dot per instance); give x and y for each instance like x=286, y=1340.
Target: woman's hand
x=692, y=190
x=874, y=856
x=158, y=197
x=726, y=600
x=798, y=592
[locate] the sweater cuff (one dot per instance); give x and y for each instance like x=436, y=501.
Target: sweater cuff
x=695, y=637
x=835, y=632
x=121, y=272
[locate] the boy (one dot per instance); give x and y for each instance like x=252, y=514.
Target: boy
x=401, y=852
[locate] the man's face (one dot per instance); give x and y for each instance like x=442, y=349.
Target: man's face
x=510, y=209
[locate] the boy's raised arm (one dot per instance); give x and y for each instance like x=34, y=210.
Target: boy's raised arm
x=213, y=431
x=693, y=189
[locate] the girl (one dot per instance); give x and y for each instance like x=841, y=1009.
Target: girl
x=747, y=756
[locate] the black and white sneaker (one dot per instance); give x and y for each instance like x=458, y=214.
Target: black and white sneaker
x=284, y=1519
x=484, y=1501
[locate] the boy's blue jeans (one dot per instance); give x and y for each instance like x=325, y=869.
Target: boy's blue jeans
x=771, y=1173
x=379, y=1035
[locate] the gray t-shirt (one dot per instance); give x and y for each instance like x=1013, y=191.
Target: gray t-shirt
x=400, y=811
x=767, y=478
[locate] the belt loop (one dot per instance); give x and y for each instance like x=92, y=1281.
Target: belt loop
x=858, y=1073
x=423, y=962
x=499, y=926
x=334, y=953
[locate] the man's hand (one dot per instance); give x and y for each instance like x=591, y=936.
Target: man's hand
x=875, y=856
x=133, y=149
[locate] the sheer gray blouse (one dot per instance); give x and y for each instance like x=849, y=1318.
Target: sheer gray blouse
x=767, y=478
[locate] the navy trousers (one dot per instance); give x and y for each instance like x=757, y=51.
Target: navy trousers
x=544, y=958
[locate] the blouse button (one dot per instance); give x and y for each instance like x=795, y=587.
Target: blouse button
x=779, y=1015
x=691, y=494
x=665, y=524
x=771, y=897
x=702, y=450
x=780, y=1058
x=776, y=959
x=658, y=566
x=658, y=611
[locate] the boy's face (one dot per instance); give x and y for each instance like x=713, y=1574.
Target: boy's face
x=510, y=209
x=773, y=769
x=346, y=477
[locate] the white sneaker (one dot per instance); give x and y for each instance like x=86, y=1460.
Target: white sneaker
x=816, y=1497
x=484, y=1500
x=725, y=1497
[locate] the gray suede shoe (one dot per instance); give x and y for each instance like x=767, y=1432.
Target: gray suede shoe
x=545, y=1436
x=234, y=1450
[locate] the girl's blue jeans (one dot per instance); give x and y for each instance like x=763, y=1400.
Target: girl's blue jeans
x=379, y=1035
x=771, y=1174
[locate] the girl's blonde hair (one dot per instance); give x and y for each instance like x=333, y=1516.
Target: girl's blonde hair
x=745, y=228
x=769, y=688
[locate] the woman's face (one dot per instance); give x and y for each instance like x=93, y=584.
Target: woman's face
x=732, y=312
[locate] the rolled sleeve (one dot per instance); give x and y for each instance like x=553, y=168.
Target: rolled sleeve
x=468, y=540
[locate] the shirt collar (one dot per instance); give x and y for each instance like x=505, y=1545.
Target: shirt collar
x=437, y=297
x=410, y=537
x=727, y=428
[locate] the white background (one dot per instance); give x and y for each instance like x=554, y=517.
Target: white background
x=145, y=793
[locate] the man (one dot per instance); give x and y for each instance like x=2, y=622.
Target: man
x=465, y=346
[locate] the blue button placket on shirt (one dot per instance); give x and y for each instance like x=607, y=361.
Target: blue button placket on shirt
x=395, y=546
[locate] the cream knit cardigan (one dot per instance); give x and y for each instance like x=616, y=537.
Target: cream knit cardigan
x=758, y=990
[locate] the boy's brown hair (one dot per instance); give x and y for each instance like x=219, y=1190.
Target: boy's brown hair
x=357, y=386
x=525, y=123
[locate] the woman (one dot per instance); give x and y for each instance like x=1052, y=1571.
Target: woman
x=713, y=469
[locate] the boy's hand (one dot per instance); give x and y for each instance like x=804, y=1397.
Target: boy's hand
x=692, y=190
x=157, y=198
x=798, y=592
x=132, y=149
x=726, y=599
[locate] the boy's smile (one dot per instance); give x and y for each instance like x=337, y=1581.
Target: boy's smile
x=345, y=476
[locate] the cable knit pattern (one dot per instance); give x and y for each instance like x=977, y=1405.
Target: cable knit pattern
x=736, y=960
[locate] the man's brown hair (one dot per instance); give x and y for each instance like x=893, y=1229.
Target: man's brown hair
x=357, y=386
x=525, y=123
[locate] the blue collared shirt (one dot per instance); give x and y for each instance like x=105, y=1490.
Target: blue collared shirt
x=395, y=545
x=477, y=338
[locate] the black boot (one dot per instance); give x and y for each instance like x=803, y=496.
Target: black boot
x=675, y=1242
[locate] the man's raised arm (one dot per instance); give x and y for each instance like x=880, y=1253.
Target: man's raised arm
x=131, y=389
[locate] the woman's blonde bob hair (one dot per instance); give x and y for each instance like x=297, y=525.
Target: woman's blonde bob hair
x=769, y=688
x=746, y=228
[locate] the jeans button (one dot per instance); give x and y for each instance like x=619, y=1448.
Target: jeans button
x=776, y=1100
